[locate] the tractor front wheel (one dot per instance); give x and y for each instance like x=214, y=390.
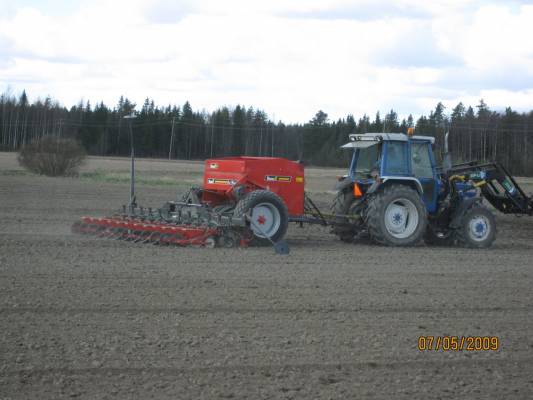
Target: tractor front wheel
x=477, y=229
x=396, y=216
x=268, y=213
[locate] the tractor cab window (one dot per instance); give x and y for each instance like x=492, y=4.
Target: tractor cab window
x=420, y=160
x=367, y=161
x=396, y=158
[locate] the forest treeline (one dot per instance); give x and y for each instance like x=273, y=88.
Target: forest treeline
x=180, y=132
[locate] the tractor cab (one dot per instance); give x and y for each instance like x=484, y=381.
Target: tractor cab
x=385, y=158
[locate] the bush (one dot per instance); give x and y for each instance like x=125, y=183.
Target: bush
x=52, y=156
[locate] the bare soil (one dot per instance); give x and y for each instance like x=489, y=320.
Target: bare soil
x=91, y=318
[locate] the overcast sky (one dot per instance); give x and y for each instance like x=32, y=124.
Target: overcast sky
x=289, y=58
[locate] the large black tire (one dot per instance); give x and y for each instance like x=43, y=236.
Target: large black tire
x=391, y=208
x=273, y=208
x=341, y=206
x=477, y=228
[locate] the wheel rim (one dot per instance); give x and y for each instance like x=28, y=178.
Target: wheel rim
x=267, y=217
x=401, y=218
x=479, y=228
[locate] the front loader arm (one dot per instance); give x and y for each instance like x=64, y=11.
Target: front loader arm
x=497, y=185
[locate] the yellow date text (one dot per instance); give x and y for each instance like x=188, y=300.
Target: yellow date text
x=458, y=343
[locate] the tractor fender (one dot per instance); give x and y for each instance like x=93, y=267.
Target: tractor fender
x=404, y=180
x=341, y=185
x=464, y=206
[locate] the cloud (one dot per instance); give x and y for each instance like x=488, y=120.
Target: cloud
x=499, y=37
x=500, y=99
x=169, y=12
x=5, y=51
x=290, y=58
x=416, y=45
x=461, y=79
x=362, y=11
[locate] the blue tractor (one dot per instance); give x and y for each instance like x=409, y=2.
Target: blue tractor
x=396, y=193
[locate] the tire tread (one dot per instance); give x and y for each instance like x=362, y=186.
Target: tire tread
x=462, y=236
x=376, y=207
x=261, y=196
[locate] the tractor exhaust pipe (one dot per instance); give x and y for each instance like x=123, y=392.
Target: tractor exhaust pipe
x=447, y=159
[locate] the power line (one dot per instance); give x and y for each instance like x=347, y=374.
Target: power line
x=115, y=125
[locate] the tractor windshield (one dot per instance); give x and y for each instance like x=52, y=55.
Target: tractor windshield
x=367, y=160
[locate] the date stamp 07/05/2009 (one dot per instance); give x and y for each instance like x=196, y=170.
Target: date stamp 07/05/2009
x=458, y=343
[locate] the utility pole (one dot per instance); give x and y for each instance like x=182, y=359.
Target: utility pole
x=171, y=139
x=133, y=202
x=260, y=141
x=212, y=137
x=272, y=139
x=272, y=135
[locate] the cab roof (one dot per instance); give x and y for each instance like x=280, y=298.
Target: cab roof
x=369, y=139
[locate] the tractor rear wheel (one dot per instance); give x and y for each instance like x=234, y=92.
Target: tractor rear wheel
x=269, y=214
x=477, y=229
x=396, y=216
